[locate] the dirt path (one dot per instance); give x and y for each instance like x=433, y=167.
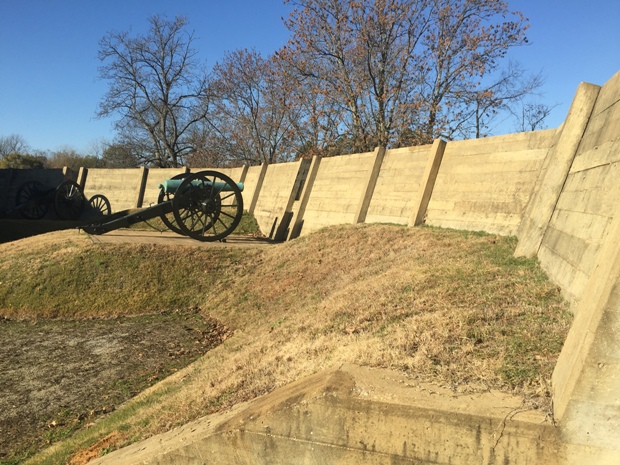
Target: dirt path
x=58, y=376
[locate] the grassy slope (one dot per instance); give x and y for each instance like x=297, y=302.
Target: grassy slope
x=451, y=307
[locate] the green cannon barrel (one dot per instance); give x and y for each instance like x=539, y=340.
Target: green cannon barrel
x=170, y=186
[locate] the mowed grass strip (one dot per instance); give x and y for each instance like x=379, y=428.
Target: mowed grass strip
x=449, y=307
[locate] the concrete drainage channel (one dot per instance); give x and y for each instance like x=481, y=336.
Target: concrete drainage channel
x=353, y=415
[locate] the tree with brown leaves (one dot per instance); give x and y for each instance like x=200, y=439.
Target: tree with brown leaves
x=399, y=71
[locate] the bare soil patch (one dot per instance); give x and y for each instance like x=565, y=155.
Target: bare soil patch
x=59, y=376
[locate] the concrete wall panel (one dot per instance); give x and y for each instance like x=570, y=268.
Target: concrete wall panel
x=275, y=195
x=485, y=184
x=336, y=191
x=157, y=176
x=251, y=182
x=397, y=185
x=120, y=186
x=588, y=201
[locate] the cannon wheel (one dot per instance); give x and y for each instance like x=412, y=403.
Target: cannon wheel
x=69, y=201
x=30, y=208
x=100, y=205
x=207, y=206
x=168, y=218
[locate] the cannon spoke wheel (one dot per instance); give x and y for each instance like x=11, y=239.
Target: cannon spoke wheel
x=30, y=200
x=100, y=205
x=207, y=206
x=69, y=201
x=168, y=218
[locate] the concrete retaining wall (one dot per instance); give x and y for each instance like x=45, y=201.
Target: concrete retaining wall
x=12, y=179
x=588, y=201
x=581, y=250
x=274, y=204
x=485, y=184
x=355, y=415
x=120, y=186
x=336, y=192
x=253, y=182
x=398, y=184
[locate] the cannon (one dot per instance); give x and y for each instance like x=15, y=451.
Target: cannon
x=206, y=206
x=33, y=199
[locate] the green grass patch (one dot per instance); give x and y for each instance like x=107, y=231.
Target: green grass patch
x=248, y=226
x=110, y=280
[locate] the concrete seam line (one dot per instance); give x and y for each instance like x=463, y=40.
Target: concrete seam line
x=327, y=444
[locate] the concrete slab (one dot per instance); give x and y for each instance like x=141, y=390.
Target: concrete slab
x=354, y=415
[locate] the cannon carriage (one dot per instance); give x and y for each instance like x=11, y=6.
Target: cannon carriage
x=34, y=199
x=206, y=206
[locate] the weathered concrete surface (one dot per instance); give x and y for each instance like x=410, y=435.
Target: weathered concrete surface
x=368, y=187
x=353, y=415
x=485, y=184
x=588, y=201
x=121, y=186
x=423, y=197
x=586, y=378
x=398, y=184
x=335, y=195
x=276, y=198
x=555, y=170
x=253, y=184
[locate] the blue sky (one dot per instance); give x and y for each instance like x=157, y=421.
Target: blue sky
x=49, y=90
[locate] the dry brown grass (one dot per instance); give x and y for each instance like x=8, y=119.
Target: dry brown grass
x=443, y=306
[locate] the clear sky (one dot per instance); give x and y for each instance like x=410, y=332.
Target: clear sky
x=49, y=90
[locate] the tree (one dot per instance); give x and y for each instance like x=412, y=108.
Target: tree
x=13, y=144
x=497, y=100
x=119, y=155
x=251, y=111
x=211, y=148
x=317, y=119
x=23, y=161
x=361, y=55
x=400, y=71
x=531, y=116
x=68, y=157
x=156, y=86
x=464, y=44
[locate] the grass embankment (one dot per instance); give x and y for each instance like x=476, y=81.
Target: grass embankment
x=449, y=307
